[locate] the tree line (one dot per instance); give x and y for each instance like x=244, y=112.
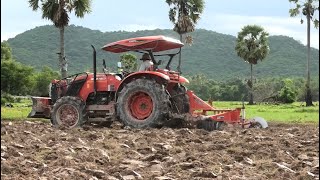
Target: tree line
x=266, y=90
x=19, y=79
x=251, y=45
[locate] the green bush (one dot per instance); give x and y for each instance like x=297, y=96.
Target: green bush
x=3, y=101
x=42, y=80
x=7, y=97
x=16, y=78
x=287, y=94
x=17, y=100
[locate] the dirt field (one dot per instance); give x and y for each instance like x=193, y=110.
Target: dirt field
x=35, y=150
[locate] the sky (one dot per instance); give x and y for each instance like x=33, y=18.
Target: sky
x=227, y=17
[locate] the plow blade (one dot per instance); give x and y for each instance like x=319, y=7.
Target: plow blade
x=41, y=107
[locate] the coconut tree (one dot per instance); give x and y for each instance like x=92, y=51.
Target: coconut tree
x=184, y=14
x=252, y=45
x=129, y=62
x=308, y=8
x=57, y=12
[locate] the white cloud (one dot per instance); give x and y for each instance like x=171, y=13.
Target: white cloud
x=275, y=25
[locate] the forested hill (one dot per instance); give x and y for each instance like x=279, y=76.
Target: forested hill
x=212, y=53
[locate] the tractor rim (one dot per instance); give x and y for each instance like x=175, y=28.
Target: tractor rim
x=67, y=115
x=140, y=105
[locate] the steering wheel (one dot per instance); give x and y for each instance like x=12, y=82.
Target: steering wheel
x=105, y=71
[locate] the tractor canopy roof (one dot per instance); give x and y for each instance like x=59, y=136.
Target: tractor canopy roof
x=153, y=43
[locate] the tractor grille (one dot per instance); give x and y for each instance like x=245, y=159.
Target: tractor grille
x=53, y=92
x=75, y=87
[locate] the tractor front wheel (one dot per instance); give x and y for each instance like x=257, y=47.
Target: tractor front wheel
x=143, y=103
x=68, y=112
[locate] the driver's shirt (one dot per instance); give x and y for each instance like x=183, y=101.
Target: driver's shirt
x=146, y=65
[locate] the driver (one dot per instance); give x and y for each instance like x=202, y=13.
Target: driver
x=147, y=64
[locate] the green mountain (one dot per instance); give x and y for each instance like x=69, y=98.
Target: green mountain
x=212, y=53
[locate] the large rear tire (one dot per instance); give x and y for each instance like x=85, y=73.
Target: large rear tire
x=143, y=103
x=180, y=99
x=68, y=112
x=179, y=105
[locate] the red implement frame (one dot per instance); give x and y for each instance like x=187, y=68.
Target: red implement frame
x=230, y=116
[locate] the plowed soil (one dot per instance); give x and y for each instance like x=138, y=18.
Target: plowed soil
x=35, y=150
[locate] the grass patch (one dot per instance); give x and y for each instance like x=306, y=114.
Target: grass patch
x=15, y=113
x=288, y=113
x=19, y=111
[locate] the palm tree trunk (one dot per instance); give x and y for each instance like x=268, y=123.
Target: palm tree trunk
x=251, y=89
x=62, y=61
x=308, y=93
x=178, y=68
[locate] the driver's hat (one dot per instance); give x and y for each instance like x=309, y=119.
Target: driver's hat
x=145, y=56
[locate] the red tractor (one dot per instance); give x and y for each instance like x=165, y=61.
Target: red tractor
x=142, y=99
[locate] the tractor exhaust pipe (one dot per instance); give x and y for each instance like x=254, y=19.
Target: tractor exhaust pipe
x=94, y=70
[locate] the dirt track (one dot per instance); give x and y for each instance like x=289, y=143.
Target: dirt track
x=35, y=150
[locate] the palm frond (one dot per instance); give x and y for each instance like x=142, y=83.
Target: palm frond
x=81, y=7
x=34, y=4
x=184, y=14
x=49, y=9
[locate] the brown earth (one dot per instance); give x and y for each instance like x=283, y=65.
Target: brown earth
x=35, y=150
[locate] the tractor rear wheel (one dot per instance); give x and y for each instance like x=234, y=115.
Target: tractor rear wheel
x=68, y=112
x=180, y=100
x=143, y=103
x=180, y=105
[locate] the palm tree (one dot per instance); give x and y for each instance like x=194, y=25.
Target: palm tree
x=184, y=14
x=57, y=12
x=308, y=9
x=251, y=46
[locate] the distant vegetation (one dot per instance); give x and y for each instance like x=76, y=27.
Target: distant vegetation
x=273, y=90
x=211, y=64
x=20, y=79
x=58, y=13
x=212, y=53
x=308, y=9
x=252, y=45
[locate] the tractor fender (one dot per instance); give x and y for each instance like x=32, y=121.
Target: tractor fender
x=157, y=76
x=181, y=80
